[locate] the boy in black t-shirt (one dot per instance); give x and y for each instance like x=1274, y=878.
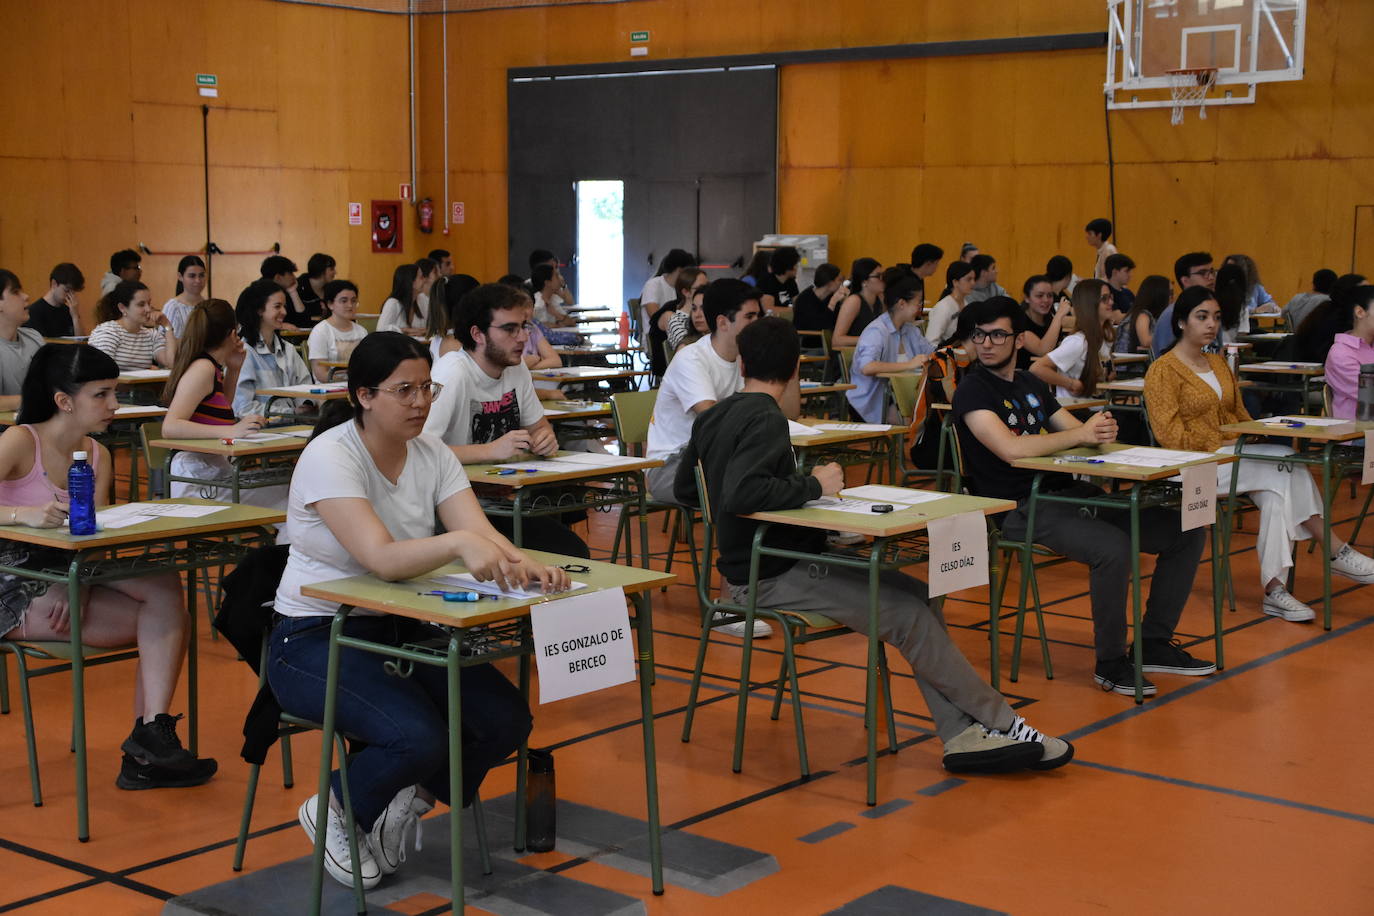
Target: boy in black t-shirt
x=746, y=455
x=1004, y=414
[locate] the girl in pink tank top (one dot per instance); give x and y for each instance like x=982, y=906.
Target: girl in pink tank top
x=68, y=395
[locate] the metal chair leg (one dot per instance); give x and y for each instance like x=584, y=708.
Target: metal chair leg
x=350, y=826
x=26, y=702
x=695, y=689
x=480, y=827
x=249, y=797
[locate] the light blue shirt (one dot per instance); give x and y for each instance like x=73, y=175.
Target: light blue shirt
x=268, y=368
x=1164, y=332
x=881, y=342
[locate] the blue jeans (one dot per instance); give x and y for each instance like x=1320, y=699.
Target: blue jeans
x=403, y=721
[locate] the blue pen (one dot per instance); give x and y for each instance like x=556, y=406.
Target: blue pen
x=457, y=596
x=318, y=391
x=1078, y=459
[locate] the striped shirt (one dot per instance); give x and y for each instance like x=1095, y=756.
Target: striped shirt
x=214, y=409
x=130, y=349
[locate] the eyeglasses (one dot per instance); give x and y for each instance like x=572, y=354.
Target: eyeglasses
x=1204, y=272
x=513, y=328
x=875, y=276
x=997, y=335
x=407, y=393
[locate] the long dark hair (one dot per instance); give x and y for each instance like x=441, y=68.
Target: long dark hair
x=191, y=260
x=1087, y=296
x=403, y=291
x=251, y=304
x=1187, y=300
x=60, y=367
x=206, y=328
x=1230, y=295
x=374, y=358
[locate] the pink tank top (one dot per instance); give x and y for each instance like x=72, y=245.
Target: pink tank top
x=34, y=488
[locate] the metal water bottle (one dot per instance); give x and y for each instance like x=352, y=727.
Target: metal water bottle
x=540, y=802
x=1364, y=404
x=1233, y=359
x=81, y=491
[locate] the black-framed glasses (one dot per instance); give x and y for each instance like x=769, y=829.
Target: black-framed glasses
x=1203, y=272
x=513, y=328
x=407, y=392
x=996, y=335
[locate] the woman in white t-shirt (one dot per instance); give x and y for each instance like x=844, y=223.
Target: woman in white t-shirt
x=407, y=308
x=190, y=292
x=124, y=314
x=944, y=317
x=1084, y=358
x=363, y=500
x=333, y=339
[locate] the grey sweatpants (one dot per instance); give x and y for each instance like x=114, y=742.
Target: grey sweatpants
x=660, y=480
x=956, y=694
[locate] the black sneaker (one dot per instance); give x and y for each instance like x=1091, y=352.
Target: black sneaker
x=156, y=742
x=134, y=775
x=1166, y=656
x=1117, y=675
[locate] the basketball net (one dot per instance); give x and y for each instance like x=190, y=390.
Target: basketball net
x=1189, y=87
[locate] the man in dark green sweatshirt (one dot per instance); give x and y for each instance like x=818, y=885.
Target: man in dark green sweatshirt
x=746, y=454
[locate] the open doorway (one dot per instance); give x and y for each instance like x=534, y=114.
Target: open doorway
x=600, y=243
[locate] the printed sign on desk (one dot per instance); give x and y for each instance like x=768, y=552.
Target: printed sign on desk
x=1199, y=496
x=958, y=553
x=582, y=643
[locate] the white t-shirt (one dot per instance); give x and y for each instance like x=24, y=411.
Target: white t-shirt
x=177, y=312
x=338, y=465
x=475, y=408
x=657, y=291
x=329, y=343
x=942, y=321
x=1070, y=357
x=1210, y=377
x=393, y=315
x=696, y=374
x=541, y=308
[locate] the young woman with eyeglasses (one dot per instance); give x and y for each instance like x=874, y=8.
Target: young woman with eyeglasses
x=364, y=498
x=1083, y=360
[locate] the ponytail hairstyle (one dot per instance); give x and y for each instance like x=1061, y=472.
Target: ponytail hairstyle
x=900, y=285
x=206, y=328
x=1086, y=297
x=191, y=260
x=403, y=291
x=60, y=367
x=251, y=304
x=1230, y=294
x=374, y=359
x=111, y=305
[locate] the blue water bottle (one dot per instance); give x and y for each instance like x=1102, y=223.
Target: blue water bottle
x=81, y=491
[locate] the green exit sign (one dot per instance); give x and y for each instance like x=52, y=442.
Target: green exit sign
x=640, y=36
x=207, y=79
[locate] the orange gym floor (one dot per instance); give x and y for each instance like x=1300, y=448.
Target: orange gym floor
x=1245, y=792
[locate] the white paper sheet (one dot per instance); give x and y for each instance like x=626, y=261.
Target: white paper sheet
x=265, y=437
x=311, y=389
x=1199, y=507
x=1281, y=364
x=882, y=494
x=1145, y=457
x=146, y=373
x=468, y=582
x=150, y=409
x=127, y=514
x=597, y=460
x=801, y=429
x=548, y=466
x=1129, y=384
x=958, y=553
x=856, y=506
x=1305, y=421
x=854, y=427
x=551, y=412
x=582, y=643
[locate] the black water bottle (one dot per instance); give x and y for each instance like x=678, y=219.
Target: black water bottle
x=540, y=802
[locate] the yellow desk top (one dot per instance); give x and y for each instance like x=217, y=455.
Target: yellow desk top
x=373, y=594
x=316, y=391
x=826, y=389
x=841, y=436
x=570, y=411
x=584, y=374
x=489, y=473
x=145, y=377
x=239, y=448
x=233, y=517
x=1343, y=432
x=899, y=521
x=1284, y=368
x=1107, y=468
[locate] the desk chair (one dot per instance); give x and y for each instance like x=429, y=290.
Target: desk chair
x=846, y=357
x=631, y=411
x=908, y=392
x=797, y=628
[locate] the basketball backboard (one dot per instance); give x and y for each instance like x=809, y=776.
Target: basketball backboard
x=1248, y=42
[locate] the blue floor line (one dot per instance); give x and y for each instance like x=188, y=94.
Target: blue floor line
x=1237, y=793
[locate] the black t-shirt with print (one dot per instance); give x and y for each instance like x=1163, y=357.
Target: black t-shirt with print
x=1024, y=405
x=784, y=294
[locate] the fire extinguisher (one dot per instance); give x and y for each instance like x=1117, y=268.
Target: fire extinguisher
x=427, y=215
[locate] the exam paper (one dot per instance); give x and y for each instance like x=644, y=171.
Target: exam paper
x=801, y=429
x=596, y=459
x=150, y=409
x=1306, y=421
x=856, y=506
x=128, y=514
x=468, y=582
x=147, y=373
x=1282, y=364
x=882, y=494
x=311, y=389
x=1145, y=457
x=854, y=427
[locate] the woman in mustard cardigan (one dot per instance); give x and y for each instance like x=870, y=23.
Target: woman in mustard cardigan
x=1190, y=395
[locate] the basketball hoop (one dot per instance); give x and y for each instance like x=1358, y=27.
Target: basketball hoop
x=1190, y=86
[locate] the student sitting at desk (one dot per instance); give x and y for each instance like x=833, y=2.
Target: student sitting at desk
x=198, y=406
x=1190, y=395
x=891, y=343
x=1352, y=348
x=492, y=412
x=743, y=446
x=1004, y=414
x=333, y=339
x=18, y=344
x=269, y=361
x=699, y=375
x=363, y=501
x=1084, y=358
x=123, y=332
x=69, y=394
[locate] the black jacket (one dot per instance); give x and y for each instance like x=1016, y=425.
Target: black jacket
x=746, y=453
x=245, y=617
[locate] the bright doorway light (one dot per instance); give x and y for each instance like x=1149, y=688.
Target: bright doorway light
x=600, y=243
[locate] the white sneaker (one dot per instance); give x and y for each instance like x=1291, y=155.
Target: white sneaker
x=1353, y=565
x=337, y=860
x=1279, y=603
x=387, y=838
x=761, y=627
x=1056, y=753
x=836, y=539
